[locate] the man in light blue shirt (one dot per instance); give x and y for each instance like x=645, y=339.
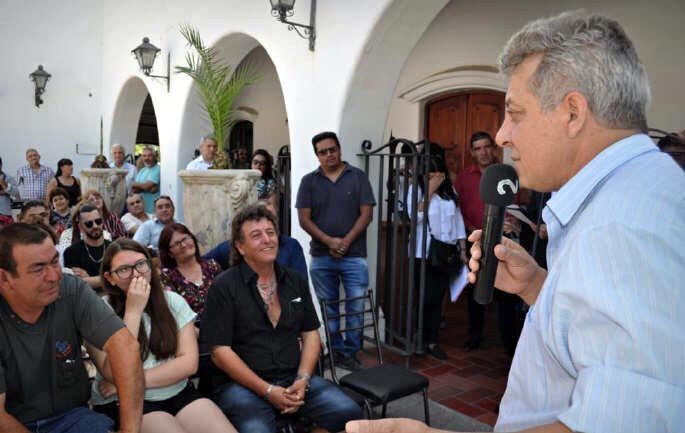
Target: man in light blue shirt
x=118, y=161
x=603, y=346
x=148, y=233
x=147, y=180
x=208, y=150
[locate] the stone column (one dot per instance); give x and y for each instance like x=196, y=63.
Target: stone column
x=111, y=184
x=211, y=198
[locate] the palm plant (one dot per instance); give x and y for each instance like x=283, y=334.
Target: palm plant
x=218, y=85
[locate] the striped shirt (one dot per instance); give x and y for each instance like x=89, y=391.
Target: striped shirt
x=32, y=185
x=603, y=347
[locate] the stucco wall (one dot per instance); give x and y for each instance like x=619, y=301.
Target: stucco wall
x=37, y=32
x=469, y=32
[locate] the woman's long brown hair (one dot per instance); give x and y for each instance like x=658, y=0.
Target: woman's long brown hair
x=163, y=338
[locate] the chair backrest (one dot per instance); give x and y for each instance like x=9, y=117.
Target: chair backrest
x=368, y=310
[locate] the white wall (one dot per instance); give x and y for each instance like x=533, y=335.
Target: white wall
x=469, y=32
x=265, y=99
x=66, y=38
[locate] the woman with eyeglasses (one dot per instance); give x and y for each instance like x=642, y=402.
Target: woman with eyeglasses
x=65, y=179
x=263, y=161
x=183, y=270
x=112, y=222
x=163, y=323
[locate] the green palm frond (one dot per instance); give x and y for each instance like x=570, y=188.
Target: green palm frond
x=217, y=84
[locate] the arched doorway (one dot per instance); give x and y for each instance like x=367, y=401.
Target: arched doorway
x=147, y=135
x=134, y=117
x=241, y=143
x=451, y=119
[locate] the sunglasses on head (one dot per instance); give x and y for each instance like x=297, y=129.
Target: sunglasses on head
x=91, y=223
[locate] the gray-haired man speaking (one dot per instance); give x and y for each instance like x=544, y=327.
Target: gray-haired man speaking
x=602, y=349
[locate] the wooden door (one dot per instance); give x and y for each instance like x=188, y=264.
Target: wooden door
x=452, y=119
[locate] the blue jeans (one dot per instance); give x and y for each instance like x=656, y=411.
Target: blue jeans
x=327, y=273
x=325, y=404
x=77, y=420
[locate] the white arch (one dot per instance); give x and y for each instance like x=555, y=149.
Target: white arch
x=127, y=113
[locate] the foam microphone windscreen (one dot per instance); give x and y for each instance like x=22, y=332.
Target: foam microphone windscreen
x=498, y=188
x=499, y=185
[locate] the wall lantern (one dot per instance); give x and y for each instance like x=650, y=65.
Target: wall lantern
x=145, y=54
x=283, y=9
x=40, y=78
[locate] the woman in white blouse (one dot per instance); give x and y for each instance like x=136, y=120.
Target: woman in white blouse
x=444, y=223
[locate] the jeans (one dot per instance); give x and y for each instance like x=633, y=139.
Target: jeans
x=77, y=420
x=327, y=273
x=325, y=404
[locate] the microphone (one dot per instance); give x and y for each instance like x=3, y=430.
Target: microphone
x=498, y=188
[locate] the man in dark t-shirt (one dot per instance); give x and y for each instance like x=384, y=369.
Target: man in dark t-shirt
x=335, y=204
x=44, y=319
x=85, y=256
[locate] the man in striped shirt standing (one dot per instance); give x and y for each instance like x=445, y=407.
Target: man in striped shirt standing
x=32, y=179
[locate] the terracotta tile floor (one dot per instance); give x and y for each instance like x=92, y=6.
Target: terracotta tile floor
x=469, y=382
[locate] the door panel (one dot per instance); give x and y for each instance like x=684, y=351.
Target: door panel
x=452, y=119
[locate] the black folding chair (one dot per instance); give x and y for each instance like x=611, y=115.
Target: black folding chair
x=383, y=383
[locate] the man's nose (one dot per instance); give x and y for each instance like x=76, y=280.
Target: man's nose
x=502, y=137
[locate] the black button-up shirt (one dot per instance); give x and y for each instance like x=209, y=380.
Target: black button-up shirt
x=235, y=316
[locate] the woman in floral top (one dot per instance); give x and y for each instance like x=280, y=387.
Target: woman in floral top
x=183, y=270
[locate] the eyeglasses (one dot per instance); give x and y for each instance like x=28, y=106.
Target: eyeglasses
x=91, y=223
x=179, y=244
x=141, y=266
x=327, y=151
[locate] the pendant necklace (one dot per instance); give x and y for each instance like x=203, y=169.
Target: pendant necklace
x=266, y=291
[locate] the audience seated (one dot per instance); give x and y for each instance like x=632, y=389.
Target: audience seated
x=163, y=322
x=255, y=315
x=84, y=257
x=48, y=391
x=73, y=234
x=136, y=215
x=183, y=270
x=60, y=216
x=148, y=232
x=112, y=222
x=290, y=253
x=33, y=212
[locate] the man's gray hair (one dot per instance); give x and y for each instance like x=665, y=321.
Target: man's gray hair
x=588, y=53
x=117, y=146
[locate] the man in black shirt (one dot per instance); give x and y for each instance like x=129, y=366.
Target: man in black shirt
x=255, y=315
x=44, y=318
x=85, y=256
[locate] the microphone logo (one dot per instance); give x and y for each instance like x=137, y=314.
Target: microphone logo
x=513, y=186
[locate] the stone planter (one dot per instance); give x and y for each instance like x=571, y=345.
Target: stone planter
x=211, y=198
x=110, y=182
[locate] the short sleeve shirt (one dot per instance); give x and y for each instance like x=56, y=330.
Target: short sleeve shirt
x=183, y=315
x=41, y=370
x=235, y=316
x=336, y=206
x=87, y=258
x=149, y=174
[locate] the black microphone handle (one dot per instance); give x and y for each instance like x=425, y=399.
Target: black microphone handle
x=493, y=219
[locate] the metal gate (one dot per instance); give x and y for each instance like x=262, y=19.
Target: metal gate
x=392, y=166
x=282, y=170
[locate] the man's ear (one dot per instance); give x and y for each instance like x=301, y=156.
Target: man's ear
x=239, y=247
x=577, y=111
x=4, y=281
